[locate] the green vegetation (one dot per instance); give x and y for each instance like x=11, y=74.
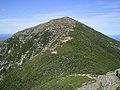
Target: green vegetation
x=1, y=44
x=45, y=37
x=18, y=48
x=88, y=52
x=66, y=83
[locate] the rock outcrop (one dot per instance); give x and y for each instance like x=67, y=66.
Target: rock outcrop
x=110, y=81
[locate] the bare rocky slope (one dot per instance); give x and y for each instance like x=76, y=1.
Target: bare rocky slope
x=61, y=54
x=27, y=43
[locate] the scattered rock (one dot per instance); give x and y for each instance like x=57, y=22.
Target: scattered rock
x=66, y=39
x=54, y=52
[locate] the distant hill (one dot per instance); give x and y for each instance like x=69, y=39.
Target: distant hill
x=56, y=55
x=116, y=37
x=4, y=36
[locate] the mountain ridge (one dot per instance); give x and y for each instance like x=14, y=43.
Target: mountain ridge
x=45, y=54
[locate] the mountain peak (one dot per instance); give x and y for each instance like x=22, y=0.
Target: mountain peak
x=61, y=22
x=64, y=19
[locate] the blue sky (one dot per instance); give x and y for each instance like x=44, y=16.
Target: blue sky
x=102, y=15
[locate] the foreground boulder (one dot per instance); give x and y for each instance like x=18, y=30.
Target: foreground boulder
x=110, y=81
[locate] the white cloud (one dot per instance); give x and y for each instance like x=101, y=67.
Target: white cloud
x=12, y=25
x=105, y=23
x=11, y=21
x=34, y=19
x=102, y=21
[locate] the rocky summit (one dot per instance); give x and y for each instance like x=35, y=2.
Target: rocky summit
x=62, y=54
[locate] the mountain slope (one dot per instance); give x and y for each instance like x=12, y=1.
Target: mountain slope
x=56, y=49
x=25, y=44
